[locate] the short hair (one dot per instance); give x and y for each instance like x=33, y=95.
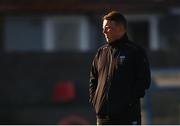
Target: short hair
x=116, y=17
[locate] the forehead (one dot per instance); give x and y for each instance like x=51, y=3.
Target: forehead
x=108, y=23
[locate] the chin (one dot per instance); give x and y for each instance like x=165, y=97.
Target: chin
x=108, y=40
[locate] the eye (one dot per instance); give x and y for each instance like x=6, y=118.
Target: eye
x=108, y=29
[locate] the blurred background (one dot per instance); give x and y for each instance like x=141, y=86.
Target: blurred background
x=47, y=47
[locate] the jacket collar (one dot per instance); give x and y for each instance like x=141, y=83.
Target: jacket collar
x=120, y=41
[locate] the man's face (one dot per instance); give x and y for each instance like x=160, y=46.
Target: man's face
x=111, y=30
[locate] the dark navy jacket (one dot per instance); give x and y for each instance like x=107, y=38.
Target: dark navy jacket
x=119, y=76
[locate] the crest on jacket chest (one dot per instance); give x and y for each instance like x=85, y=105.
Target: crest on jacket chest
x=121, y=59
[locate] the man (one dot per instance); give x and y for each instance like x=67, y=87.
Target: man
x=119, y=75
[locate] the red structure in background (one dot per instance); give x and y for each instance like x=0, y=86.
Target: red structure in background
x=64, y=91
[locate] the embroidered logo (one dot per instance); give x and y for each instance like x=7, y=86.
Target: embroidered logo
x=122, y=59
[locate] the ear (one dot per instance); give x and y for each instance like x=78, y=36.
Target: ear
x=121, y=28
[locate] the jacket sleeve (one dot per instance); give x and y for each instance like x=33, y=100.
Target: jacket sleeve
x=142, y=73
x=93, y=81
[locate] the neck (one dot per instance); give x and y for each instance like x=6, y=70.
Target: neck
x=116, y=38
x=120, y=41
